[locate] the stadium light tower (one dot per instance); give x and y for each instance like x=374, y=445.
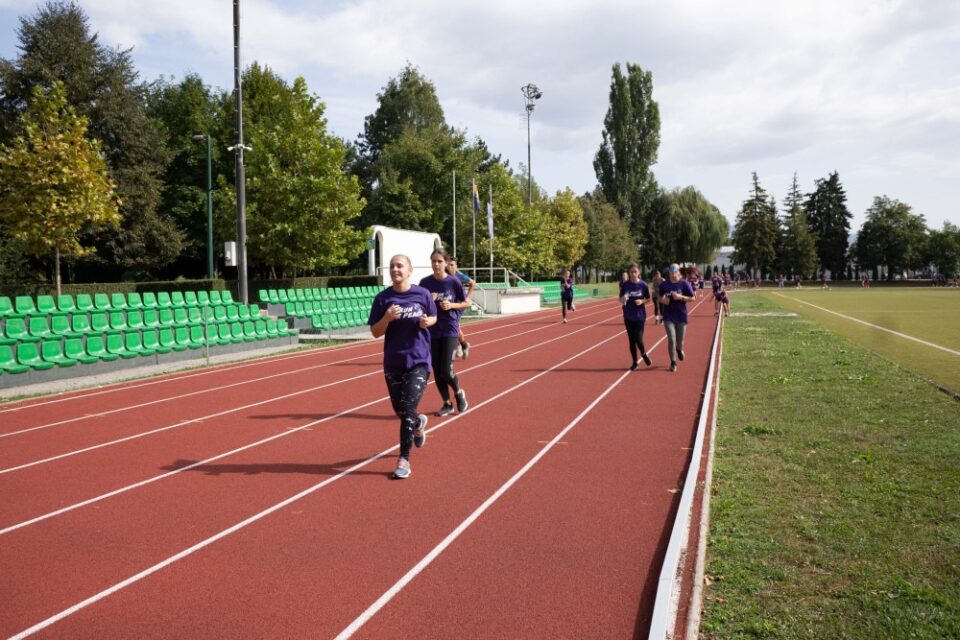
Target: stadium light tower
x=530, y=95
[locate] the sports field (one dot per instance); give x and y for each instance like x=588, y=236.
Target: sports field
x=918, y=328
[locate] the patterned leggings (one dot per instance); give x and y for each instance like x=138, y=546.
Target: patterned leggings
x=406, y=389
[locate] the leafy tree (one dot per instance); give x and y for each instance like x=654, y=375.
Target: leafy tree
x=53, y=180
x=829, y=221
x=569, y=229
x=299, y=202
x=101, y=84
x=797, y=248
x=943, y=250
x=682, y=226
x=756, y=232
x=892, y=235
x=610, y=244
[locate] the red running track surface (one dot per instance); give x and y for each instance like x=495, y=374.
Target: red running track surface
x=256, y=501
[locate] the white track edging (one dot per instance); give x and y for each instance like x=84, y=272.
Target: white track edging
x=665, y=605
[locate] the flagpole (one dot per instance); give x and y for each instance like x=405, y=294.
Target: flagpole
x=474, y=209
x=490, y=221
x=454, y=212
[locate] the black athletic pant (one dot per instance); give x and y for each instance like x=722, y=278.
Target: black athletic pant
x=635, y=336
x=406, y=389
x=441, y=352
x=656, y=305
x=566, y=304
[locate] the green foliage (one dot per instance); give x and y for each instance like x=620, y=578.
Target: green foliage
x=757, y=231
x=568, y=227
x=797, y=247
x=299, y=201
x=610, y=244
x=829, y=221
x=53, y=179
x=892, y=235
x=943, y=250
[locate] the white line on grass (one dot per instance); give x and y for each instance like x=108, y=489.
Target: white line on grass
x=43, y=624
x=874, y=326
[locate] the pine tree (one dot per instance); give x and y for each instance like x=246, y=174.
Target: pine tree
x=756, y=232
x=797, y=249
x=829, y=220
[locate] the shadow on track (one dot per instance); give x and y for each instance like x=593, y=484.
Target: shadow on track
x=329, y=469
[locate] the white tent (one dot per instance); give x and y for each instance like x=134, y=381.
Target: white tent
x=386, y=242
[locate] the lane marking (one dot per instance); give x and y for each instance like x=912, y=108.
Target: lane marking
x=43, y=624
x=874, y=326
x=291, y=431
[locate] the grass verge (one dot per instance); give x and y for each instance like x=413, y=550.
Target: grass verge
x=836, y=506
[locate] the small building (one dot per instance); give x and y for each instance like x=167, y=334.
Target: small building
x=386, y=242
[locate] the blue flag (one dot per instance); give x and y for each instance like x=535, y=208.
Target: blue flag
x=476, y=197
x=490, y=218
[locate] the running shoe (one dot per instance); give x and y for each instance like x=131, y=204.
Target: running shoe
x=420, y=434
x=461, y=401
x=459, y=352
x=646, y=359
x=573, y=307
x=564, y=321
x=633, y=367
x=403, y=469
x=445, y=410
x=673, y=366
x=464, y=350
x=679, y=354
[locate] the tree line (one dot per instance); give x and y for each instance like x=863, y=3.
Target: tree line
x=812, y=234
x=104, y=174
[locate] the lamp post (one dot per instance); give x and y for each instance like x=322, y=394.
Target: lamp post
x=530, y=94
x=238, y=149
x=201, y=136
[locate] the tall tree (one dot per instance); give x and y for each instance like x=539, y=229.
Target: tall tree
x=891, y=236
x=797, y=248
x=829, y=221
x=300, y=203
x=101, y=83
x=53, y=180
x=631, y=140
x=756, y=231
x=943, y=250
x=610, y=245
x=569, y=229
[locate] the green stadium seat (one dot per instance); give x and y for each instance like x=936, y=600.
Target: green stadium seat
x=207, y=315
x=115, y=346
x=166, y=317
x=73, y=349
x=39, y=328
x=203, y=298
x=236, y=329
x=194, y=316
x=215, y=297
x=85, y=303
x=163, y=300
x=51, y=351
x=100, y=323
x=224, y=333
x=180, y=317
x=183, y=338
x=60, y=326
x=4, y=338
x=133, y=341
x=118, y=321
x=118, y=302
x=282, y=296
x=101, y=302
x=220, y=313
x=290, y=309
x=6, y=307
x=243, y=312
x=263, y=296
x=134, y=301
x=260, y=326
x=23, y=305
x=16, y=329
x=151, y=340
x=317, y=322
x=197, y=336
x=151, y=318
x=233, y=313
x=66, y=304
x=169, y=340
x=249, y=331
x=135, y=319
x=212, y=335
x=190, y=298
x=97, y=347
x=272, y=296
x=47, y=306
x=226, y=297
x=80, y=323
x=176, y=299
x=8, y=362
x=149, y=300
x=28, y=354
x=254, y=312
x=272, y=328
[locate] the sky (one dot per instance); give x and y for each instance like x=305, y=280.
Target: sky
x=867, y=88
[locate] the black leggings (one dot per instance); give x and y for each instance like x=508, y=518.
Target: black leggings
x=441, y=352
x=635, y=336
x=656, y=305
x=565, y=304
x=406, y=389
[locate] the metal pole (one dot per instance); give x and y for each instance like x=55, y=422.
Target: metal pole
x=454, y=212
x=529, y=172
x=209, y=209
x=240, y=177
x=474, y=210
x=490, y=208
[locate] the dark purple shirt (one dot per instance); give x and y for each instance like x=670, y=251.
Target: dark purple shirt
x=676, y=310
x=566, y=292
x=449, y=289
x=634, y=291
x=405, y=344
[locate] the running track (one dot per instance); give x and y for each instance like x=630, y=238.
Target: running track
x=255, y=500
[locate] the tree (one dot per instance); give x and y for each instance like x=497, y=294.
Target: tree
x=610, y=245
x=893, y=236
x=101, y=84
x=631, y=139
x=568, y=227
x=829, y=221
x=53, y=180
x=797, y=248
x=300, y=204
x=756, y=232
x=943, y=250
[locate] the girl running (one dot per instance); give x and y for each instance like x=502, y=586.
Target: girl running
x=468, y=283
x=721, y=301
x=450, y=299
x=675, y=294
x=403, y=313
x=657, y=307
x=634, y=294
x=566, y=294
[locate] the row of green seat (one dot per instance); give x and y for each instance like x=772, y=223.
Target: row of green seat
x=46, y=354
x=282, y=296
x=310, y=308
x=551, y=291
x=72, y=325
x=340, y=320
x=24, y=306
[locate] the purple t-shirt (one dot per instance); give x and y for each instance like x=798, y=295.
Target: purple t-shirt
x=566, y=292
x=405, y=344
x=449, y=289
x=634, y=290
x=676, y=311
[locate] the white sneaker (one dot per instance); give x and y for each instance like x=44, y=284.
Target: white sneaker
x=403, y=469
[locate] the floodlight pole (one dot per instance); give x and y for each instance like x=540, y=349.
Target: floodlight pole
x=201, y=136
x=238, y=149
x=530, y=94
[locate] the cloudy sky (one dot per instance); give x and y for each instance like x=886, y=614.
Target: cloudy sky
x=869, y=88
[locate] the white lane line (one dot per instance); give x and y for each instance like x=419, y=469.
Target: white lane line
x=43, y=624
x=873, y=326
x=194, y=420
x=291, y=431
x=232, y=367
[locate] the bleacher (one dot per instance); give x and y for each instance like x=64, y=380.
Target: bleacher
x=551, y=291
x=40, y=339
x=321, y=309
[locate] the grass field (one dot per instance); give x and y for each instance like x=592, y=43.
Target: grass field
x=836, y=496
x=931, y=315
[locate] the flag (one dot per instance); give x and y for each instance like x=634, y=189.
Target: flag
x=490, y=218
x=476, y=197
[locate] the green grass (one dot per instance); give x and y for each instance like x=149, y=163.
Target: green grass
x=928, y=314
x=836, y=504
